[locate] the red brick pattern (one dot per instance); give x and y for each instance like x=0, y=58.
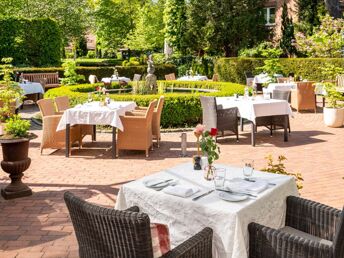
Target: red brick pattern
x=39, y=226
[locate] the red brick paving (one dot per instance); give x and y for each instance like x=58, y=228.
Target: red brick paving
x=39, y=226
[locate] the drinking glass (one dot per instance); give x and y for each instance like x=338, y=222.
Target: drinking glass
x=90, y=99
x=248, y=168
x=219, y=178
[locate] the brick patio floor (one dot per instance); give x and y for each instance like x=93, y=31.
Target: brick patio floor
x=39, y=226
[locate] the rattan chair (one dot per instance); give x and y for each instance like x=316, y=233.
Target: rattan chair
x=340, y=82
x=109, y=233
x=137, y=77
x=214, y=116
x=137, y=134
x=215, y=77
x=51, y=138
x=170, y=77
x=282, y=79
x=278, y=121
x=156, y=121
x=312, y=230
x=62, y=104
x=303, y=97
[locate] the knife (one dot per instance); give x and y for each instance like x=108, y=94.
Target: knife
x=202, y=195
x=241, y=193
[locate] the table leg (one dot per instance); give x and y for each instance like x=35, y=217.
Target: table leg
x=323, y=100
x=67, y=139
x=94, y=134
x=253, y=134
x=286, y=128
x=113, y=151
x=241, y=124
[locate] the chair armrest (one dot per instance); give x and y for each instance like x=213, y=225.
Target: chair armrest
x=135, y=113
x=55, y=118
x=133, y=209
x=141, y=108
x=312, y=217
x=268, y=242
x=199, y=245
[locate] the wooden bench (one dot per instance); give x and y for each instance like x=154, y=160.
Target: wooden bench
x=48, y=80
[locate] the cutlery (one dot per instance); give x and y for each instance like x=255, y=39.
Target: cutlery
x=163, y=187
x=159, y=183
x=238, y=193
x=253, y=181
x=202, y=195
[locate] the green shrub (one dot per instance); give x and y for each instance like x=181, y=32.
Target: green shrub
x=232, y=69
x=70, y=75
x=91, y=54
x=101, y=72
x=97, y=62
x=35, y=42
x=179, y=110
x=16, y=127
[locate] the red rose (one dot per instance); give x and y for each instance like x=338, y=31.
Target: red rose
x=97, y=88
x=213, y=132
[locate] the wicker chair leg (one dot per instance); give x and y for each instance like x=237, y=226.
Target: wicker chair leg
x=117, y=152
x=147, y=153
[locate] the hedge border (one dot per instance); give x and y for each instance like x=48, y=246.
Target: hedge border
x=180, y=110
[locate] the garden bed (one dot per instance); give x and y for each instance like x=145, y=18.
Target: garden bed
x=180, y=110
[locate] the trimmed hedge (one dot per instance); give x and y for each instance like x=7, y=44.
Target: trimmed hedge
x=35, y=42
x=101, y=72
x=97, y=62
x=232, y=69
x=180, y=110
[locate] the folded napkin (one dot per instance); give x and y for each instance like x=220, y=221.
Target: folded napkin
x=241, y=185
x=181, y=190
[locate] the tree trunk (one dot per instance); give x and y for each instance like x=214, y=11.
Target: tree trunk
x=333, y=8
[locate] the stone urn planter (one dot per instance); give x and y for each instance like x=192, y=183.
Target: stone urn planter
x=333, y=117
x=15, y=162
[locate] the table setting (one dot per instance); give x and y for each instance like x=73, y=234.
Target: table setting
x=193, y=78
x=183, y=199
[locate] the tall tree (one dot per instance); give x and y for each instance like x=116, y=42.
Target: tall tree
x=175, y=23
x=333, y=8
x=288, y=37
x=148, y=33
x=226, y=25
x=309, y=13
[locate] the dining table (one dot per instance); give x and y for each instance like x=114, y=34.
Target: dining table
x=251, y=108
x=209, y=207
x=193, y=78
x=115, y=79
x=288, y=86
x=95, y=113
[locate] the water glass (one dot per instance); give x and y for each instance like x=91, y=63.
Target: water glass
x=248, y=168
x=219, y=178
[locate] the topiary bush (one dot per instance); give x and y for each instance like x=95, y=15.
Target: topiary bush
x=180, y=110
x=232, y=69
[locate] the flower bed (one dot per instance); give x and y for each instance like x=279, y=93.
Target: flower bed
x=180, y=110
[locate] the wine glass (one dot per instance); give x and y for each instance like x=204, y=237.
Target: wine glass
x=248, y=168
x=219, y=178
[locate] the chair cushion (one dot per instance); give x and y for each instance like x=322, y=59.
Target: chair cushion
x=160, y=239
x=305, y=235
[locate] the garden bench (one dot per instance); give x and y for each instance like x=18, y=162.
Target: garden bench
x=48, y=80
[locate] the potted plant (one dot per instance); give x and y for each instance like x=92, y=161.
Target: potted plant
x=334, y=111
x=15, y=149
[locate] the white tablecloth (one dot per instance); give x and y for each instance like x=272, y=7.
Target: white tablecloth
x=281, y=86
x=115, y=79
x=94, y=114
x=229, y=220
x=193, y=78
x=261, y=78
x=251, y=109
x=31, y=88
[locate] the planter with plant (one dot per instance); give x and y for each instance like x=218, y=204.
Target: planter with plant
x=334, y=111
x=15, y=150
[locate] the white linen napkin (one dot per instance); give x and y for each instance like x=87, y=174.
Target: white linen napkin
x=241, y=185
x=181, y=190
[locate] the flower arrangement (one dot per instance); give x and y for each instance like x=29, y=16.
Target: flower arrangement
x=206, y=141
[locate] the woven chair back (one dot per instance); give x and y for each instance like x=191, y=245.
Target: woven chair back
x=46, y=106
x=340, y=81
x=137, y=77
x=103, y=232
x=209, y=112
x=282, y=79
x=62, y=103
x=281, y=94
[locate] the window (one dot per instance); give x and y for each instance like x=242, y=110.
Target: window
x=269, y=14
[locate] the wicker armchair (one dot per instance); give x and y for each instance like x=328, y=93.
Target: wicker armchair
x=51, y=119
x=62, y=104
x=278, y=121
x=138, y=128
x=103, y=233
x=137, y=77
x=216, y=117
x=312, y=230
x=282, y=79
x=303, y=97
x=170, y=77
x=156, y=118
x=215, y=77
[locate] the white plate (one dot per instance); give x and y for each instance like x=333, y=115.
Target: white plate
x=151, y=182
x=232, y=197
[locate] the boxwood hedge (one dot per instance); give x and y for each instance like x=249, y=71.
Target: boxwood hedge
x=232, y=69
x=101, y=72
x=180, y=110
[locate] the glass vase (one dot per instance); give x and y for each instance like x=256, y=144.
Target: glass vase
x=209, y=172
